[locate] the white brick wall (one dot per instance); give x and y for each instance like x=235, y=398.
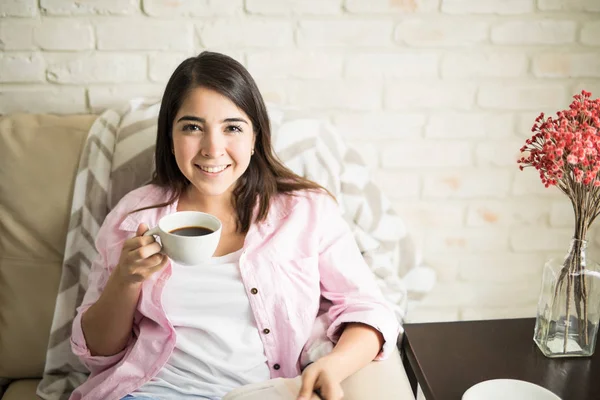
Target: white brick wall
x=534, y=32
x=18, y=8
x=21, y=68
x=437, y=96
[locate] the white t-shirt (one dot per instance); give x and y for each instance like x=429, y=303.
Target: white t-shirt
x=218, y=345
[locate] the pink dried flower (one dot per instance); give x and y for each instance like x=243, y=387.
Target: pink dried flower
x=566, y=149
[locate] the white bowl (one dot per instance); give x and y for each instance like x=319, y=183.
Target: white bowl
x=502, y=389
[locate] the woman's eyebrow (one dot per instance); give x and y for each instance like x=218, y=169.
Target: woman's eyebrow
x=202, y=120
x=191, y=118
x=235, y=120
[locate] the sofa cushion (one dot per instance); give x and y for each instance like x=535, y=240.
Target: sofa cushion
x=38, y=159
x=23, y=389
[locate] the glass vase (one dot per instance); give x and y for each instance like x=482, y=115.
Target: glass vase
x=569, y=305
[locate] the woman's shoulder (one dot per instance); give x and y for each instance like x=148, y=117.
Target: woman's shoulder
x=303, y=201
x=145, y=196
x=141, y=197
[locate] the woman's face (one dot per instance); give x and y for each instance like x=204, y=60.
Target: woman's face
x=212, y=141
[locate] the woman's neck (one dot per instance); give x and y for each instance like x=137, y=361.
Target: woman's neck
x=219, y=206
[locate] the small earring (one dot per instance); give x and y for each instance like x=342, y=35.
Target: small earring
x=252, y=152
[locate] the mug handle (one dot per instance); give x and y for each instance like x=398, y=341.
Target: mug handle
x=154, y=232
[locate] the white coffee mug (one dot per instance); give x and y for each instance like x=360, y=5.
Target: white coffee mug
x=188, y=250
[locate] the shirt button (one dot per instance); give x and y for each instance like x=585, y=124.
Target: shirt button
x=254, y=290
x=276, y=367
x=266, y=331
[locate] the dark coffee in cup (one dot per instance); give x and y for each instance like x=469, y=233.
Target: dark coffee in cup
x=188, y=237
x=191, y=231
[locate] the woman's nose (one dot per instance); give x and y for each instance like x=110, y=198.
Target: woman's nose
x=212, y=145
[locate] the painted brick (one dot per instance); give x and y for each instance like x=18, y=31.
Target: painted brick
x=561, y=65
x=89, y=7
x=590, y=33
x=247, y=33
x=524, y=211
x=422, y=314
x=467, y=240
x=441, y=32
x=144, y=34
x=569, y=5
x=380, y=125
x=444, y=295
x=528, y=32
x=478, y=65
x=162, y=65
x=589, y=86
x=42, y=99
x=485, y=313
x=525, y=122
x=392, y=65
x=429, y=214
x=500, y=267
x=63, y=34
x=96, y=68
x=504, y=153
x=528, y=239
x=429, y=95
x=295, y=64
x=562, y=214
x=527, y=182
x=416, y=154
x=528, y=96
x=466, y=184
x=18, y=8
x=289, y=7
x=20, y=68
x=355, y=33
x=487, y=6
x=470, y=125
x=446, y=268
x=103, y=97
x=17, y=34
x=195, y=8
x=273, y=90
x=335, y=94
x=387, y=7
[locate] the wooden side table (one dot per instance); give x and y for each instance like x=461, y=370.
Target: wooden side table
x=447, y=358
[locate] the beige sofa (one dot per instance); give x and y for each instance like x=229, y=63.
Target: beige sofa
x=39, y=155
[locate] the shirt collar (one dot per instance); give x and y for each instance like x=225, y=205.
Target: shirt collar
x=281, y=206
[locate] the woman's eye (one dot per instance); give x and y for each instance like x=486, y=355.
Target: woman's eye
x=191, y=128
x=234, y=129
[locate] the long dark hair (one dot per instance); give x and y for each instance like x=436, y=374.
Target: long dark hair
x=265, y=177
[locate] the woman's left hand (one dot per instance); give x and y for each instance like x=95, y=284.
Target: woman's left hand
x=319, y=381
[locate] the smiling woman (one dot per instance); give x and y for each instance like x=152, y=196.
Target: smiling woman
x=259, y=316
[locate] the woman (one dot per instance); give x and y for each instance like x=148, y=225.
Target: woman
x=286, y=282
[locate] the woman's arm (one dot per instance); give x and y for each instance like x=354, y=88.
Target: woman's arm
x=108, y=323
x=357, y=347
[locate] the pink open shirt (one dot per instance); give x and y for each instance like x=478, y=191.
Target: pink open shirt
x=304, y=277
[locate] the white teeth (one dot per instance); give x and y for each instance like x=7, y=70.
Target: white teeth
x=213, y=169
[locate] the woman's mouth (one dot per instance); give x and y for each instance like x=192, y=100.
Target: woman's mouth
x=212, y=170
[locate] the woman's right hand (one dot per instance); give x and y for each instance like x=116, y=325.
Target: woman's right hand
x=140, y=258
